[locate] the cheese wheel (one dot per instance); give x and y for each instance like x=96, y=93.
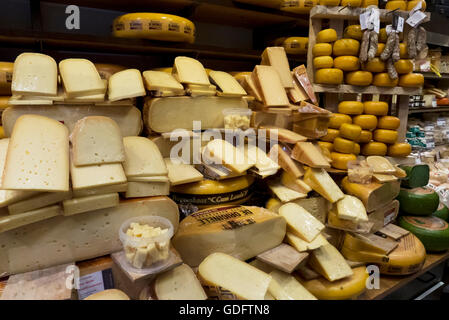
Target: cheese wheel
x=343, y=145
x=6, y=69
x=365, y=121
x=2, y=132
x=384, y=80
x=403, y=53
x=323, y=62
x=414, y=3
x=367, y=3
x=329, y=76
x=375, y=65
x=395, y=4
x=353, y=31
x=365, y=136
x=340, y=160
x=352, y=3
x=411, y=80
x=346, y=47
x=356, y=150
x=350, y=107
x=399, y=150
x=326, y=36
x=295, y=45
x=382, y=35
x=380, y=48
x=374, y=149
x=350, y=131
x=329, y=2
x=322, y=49
x=326, y=145
x=337, y=119
x=377, y=108
x=404, y=66
x=330, y=135
x=359, y=78
x=385, y=136
x=347, y=63
x=4, y=102
x=388, y=122
x=297, y=6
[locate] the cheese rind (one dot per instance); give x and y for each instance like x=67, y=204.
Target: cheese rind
x=142, y=158
x=39, y=201
x=328, y=262
x=100, y=190
x=80, y=78
x=89, y=203
x=300, y=222
x=277, y=58
x=18, y=220
x=147, y=189
x=125, y=84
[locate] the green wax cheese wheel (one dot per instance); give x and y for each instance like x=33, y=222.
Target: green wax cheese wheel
x=417, y=176
x=442, y=212
x=432, y=231
x=418, y=201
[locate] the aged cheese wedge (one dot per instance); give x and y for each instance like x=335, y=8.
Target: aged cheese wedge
x=181, y=173
x=262, y=162
x=42, y=200
x=328, y=262
x=125, y=84
x=295, y=184
x=18, y=220
x=110, y=294
x=80, y=78
x=147, y=189
x=242, y=279
x=269, y=84
x=228, y=155
x=284, y=193
x=320, y=181
x=228, y=85
x=34, y=74
x=100, y=190
x=240, y=231
x=142, y=158
x=188, y=70
x=285, y=287
x=277, y=58
x=351, y=208
x=294, y=168
x=251, y=88
x=38, y=155
x=97, y=140
x=302, y=245
x=380, y=165
x=161, y=81
x=89, y=203
x=300, y=222
x=307, y=153
x=335, y=222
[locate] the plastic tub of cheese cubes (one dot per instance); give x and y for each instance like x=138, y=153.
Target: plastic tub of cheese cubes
x=237, y=118
x=146, y=242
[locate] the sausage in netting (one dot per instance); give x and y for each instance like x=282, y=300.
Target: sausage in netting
x=392, y=73
x=411, y=43
x=363, y=56
x=373, y=41
x=421, y=39
x=396, y=54
x=388, y=47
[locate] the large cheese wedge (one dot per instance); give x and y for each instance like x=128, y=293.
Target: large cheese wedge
x=373, y=195
x=22, y=219
x=38, y=155
x=182, y=173
x=328, y=261
x=179, y=283
x=240, y=231
x=320, y=181
x=34, y=74
x=142, y=158
x=125, y=84
x=227, y=84
x=89, y=203
x=162, y=81
x=168, y=114
x=300, y=222
x=110, y=294
x=97, y=140
x=285, y=287
x=301, y=245
x=188, y=70
x=128, y=118
x=61, y=240
x=147, y=189
x=292, y=167
x=80, y=78
x=277, y=58
x=351, y=208
x=226, y=154
x=307, y=153
x=268, y=82
x=419, y=201
x=36, y=202
x=380, y=165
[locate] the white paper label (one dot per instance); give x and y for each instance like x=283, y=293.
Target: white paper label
x=90, y=284
x=364, y=20
x=416, y=18
x=400, y=26
x=441, y=122
x=375, y=21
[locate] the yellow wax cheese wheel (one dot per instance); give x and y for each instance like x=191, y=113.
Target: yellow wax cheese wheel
x=329, y=76
x=347, y=63
x=382, y=35
x=350, y=131
x=384, y=80
x=353, y=31
x=380, y=48
x=326, y=145
x=298, y=6
x=365, y=121
x=4, y=102
x=329, y=2
x=350, y=107
x=377, y=108
x=403, y=53
x=392, y=5
x=385, y=136
x=331, y=135
x=359, y=78
x=374, y=149
x=365, y=136
x=414, y=3
x=2, y=132
x=375, y=65
x=388, y=122
x=340, y=160
x=367, y=3
x=404, y=66
x=295, y=45
x=343, y=145
x=356, y=148
x=322, y=49
x=326, y=36
x=352, y=3
x=411, y=80
x=6, y=70
x=323, y=62
x=346, y=47
x=399, y=150
x=337, y=119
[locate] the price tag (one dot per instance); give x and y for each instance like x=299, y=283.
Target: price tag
x=441, y=122
x=374, y=20
x=364, y=17
x=400, y=24
x=416, y=18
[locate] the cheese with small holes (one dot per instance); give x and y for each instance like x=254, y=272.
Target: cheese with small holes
x=376, y=108
x=322, y=49
x=307, y=153
x=142, y=158
x=34, y=74
x=353, y=31
x=323, y=62
x=350, y=107
x=300, y=222
x=326, y=36
x=160, y=81
x=374, y=148
x=385, y=136
x=367, y=3
x=277, y=58
x=227, y=84
x=403, y=66
x=365, y=136
x=396, y=5
x=350, y=131
x=39, y=201
x=283, y=286
x=228, y=155
x=89, y=203
x=359, y=78
x=15, y=221
x=346, y=47
x=399, y=150
x=340, y=160
x=268, y=81
x=365, y=121
x=331, y=135
x=302, y=245
x=38, y=155
x=96, y=140
x=388, y=122
x=375, y=65
x=125, y=84
x=329, y=76
x=337, y=119
x=188, y=70
x=181, y=173
x=384, y=80
x=80, y=78
x=347, y=63
x=411, y=80
x=147, y=189
x=328, y=261
x=240, y=231
x=343, y=145
x=351, y=208
x=320, y=181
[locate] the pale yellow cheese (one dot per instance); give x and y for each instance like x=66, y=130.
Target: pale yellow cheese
x=270, y=86
x=147, y=189
x=320, y=181
x=302, y=245
x=42, y=200
x=159, y=80
x=300, y=222
x=188, y=70
x=351, y=208
x=181, y=173
x=110, y=294
x=80, y=78
x=18, y=220
x=143, y=158
x=329, y=262
x=149, y=179
x=277, y=58
x=284, y=193
x=231, y=157
x=227, y=84
x=100, y=190
x=285, y=287
x=89, y=203
x=125, y=84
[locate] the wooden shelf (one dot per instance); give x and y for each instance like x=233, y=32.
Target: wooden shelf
x=427, y=110
x=345, y=88
x=431, y=75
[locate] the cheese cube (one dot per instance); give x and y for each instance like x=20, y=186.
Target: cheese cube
x=182, y=173
x=125, y=84
x=161, y=81
x=38, y=155
x=301, y=245
x=329, y=262
x=286, y=287
x=34, y=74
x=97, y=140
x=90, y=203
x=100, y=190
x=269, y=84
x=320, y=181
x=23, y=219
x=277, y=58
x=227, y=84
x=42, y=200
x=140, y=257
x=80, y=78
x=351, y=208
x=147, y=189
x=142, y=158
x=188, y=70
x=300, y=222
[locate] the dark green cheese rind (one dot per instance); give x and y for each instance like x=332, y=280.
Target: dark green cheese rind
x=415, y=202
x=442, y=212
x=417, y=176
x=432, y=231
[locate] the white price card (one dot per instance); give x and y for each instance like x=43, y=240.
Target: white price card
x=416, y=18
x=400, y=26
x=364, y=17
x=374, y=20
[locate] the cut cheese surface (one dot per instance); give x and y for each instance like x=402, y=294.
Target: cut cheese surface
x=182, y=173
x=38, y=155
x=226, y=154
x=18, y=220
x=300, y=222
x=142, y=158
x=302, y=245
x=328, y=261
x=284, y=193
x=97, y=140
x=294, y=183
x=269, y=84
x=307, y=153
x=89, y=203
x=320, y=181
x=100, y=190
x=125, y=84
x=188, y=70
x=285, y=287
x=227, y=84
x=147, y=189
x=38, y=201
x=380, y=165
x=159, y=80
x=292, y=167
x=277, y=58
x=34, y=74
x=80, y=78
x=351, y=208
